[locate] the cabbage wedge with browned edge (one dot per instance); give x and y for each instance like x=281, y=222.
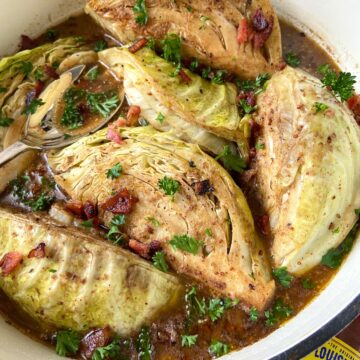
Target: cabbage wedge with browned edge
x=82, y=282
x=209, y=30
x=200, y=112
x=228, y=257
x=309, y=171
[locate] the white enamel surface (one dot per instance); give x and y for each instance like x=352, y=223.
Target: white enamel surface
x=335, y=23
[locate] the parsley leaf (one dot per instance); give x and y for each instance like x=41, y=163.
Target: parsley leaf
x=41, y=203
x=111, y=351
x=93, y=73
x=38, y=74
x=52, y=34
x=334, y=257
x=194, y=65
x=208, y=232
x=114, y=172
x=341, y=84
x=254, y=314
x=357, y=212
x=5, y=121
x=217, y=348
x=72, y=117
x=260, y=146
x=282, y=276
x=67, y=342
x=169, y=185
x=216, y=309
x=3, y=89
x=32, y=107
x=188, y=340
x=26, y=67
x=247, y=109
x=100, y=45
x=206, y=72
x=141, y=13
x=160, y=118
x=257, y=85
x=219, y=77
x=307, y=284
x=115, y=235
x=172, y=48
x=319, y=107
x=279, y=311
x=154, y=221
x=160, y=262
x=102, y=103
x=118, y=220
x=231, y=161
x=88, y=223
x=292, y=59
x=151, y=43
x=186, y=243
x=143, y=344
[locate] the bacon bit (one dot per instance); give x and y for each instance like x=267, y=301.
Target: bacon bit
x=121, y=203
x=259, y=23
x=282, y=65
x=76, y=207
x=255, y=132
x=26, y=43
x=155, y=246
x=38, y=252
x=264, y=224
x=252, y=153
x=184, y=77
x=354, y=105
x=133, y=115
x=248, y=96
x=90, y=210
x=9, y=262
x=243, y=33
x=139, y=248
x=51, y=72
x=202, y=187
x=138, y=45
x=39, y=87
x=262, y=28
x=113, y=134
x=93, y=340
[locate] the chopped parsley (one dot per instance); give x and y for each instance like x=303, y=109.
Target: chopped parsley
x=283, y=277
x=231, y=161
x=169, y=185
x=38, y=74
x=208, y=232
x=247, y=108
x=260, y=146
x=292, y=59
x=6, y=121
x=114, y=172
x=188, y=340
x=320, y=107
x=254, y=314
x=216, y=309
x=26, y=67
x=3, y=89
x=357, y=212
x=279, y=312
x=88, y=223
x=154, y=221
x=334, y=257
x=205, y=73
x=341, y=84
x=33, y=106
x=141, y=13
x=67, y=343
x=100, y=45
x=194, y=65
x=118, y=220
x=160, y=262
x=160, y=118
x=115, y=235
x=219, y=77
x=218, y=348
x=93, y=73
x=143, y=344
x=102, y=103
x=257, y=86
x=151, y=43
x=111, y=351
x=307, y=284
x=41, y=203
x=171, y=45
x=52, y=271
x=186, y=243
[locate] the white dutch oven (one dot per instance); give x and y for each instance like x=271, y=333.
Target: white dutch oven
x=332, y=23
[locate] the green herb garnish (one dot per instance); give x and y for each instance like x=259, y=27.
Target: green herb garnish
x=93, y=73
x=160, y=118
x=219, y=77
x=292, y=59
x=257, y=85
x=169, y=185
x=254, y=314
x=194, y=65
x=188, y=340
x=141, y=13
x=260, y=146
x=102, y=103
x=26, y=67
x=111, y=351
x=160, y=262
x=33, y=106
x=186, y=243
x=341, y=84
x=231, y=161
x=216, y=309
x=88, y=223
x=283, y=277
x=218, y=348
x=100, y=45
x=67, y=343
x=118, y=220
x=143, y=344
x=114, y=172
x=172, y=48
x=319, y=107
x=307, y=284
x=154, y=221
x=247, y=109
x=5, y=121
x=208, y=232
x=52, y=34
x=279, y=312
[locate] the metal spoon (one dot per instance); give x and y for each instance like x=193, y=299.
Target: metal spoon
x=53, y=138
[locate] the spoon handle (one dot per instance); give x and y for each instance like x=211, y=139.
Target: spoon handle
x=14, y=150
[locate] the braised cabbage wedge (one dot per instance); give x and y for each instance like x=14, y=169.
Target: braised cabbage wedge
x=81, y=283
x=19, y=75
x=200, y=112
x=209, y=30
x=308, y=173
x=204, y=223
